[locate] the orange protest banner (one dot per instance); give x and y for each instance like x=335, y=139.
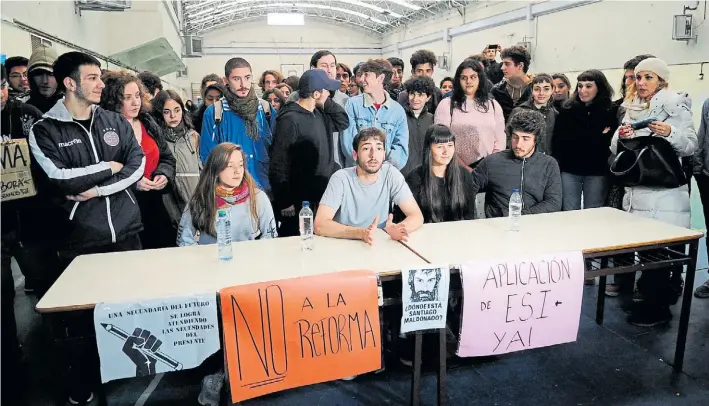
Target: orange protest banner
x=295, y=332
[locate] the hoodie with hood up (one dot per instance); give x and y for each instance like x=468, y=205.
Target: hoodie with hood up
x=302, y=158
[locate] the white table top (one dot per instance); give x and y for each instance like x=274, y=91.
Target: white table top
x=592, y=230
x=126, y=276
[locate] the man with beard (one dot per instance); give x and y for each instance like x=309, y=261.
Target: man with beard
x=359, y=199
x=90, y=158
x=241, y=118
x=43, y=86
x=424, y=284
x=17, y=70
x=534, y=174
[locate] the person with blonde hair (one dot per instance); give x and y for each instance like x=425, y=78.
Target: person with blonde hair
x=648, y=97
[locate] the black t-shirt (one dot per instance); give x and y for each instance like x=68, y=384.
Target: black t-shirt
x=415, y=182
x=85, y=123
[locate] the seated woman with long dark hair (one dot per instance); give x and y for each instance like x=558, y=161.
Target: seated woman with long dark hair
x=442, y=187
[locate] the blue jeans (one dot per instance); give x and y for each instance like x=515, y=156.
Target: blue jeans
x=593, y=188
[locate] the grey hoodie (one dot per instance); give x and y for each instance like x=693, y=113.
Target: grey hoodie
x=537, y=178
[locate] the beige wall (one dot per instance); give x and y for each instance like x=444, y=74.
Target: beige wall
x=601, y=35
x=105, y=33
x=251, y=36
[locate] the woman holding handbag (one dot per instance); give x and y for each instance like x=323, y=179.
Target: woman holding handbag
x=648, y=98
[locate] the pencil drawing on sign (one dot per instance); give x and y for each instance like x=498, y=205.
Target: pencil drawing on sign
x=143, y=349
x=424, y=284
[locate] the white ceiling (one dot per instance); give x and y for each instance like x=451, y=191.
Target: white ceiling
x=377, y=16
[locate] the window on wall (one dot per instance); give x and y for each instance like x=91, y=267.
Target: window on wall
x=37, y=41
x=196, y=91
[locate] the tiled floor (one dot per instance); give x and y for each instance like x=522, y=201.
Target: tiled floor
x=613, y=364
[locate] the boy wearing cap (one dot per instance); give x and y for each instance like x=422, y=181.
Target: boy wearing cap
x=302, y=158
x=43, y=85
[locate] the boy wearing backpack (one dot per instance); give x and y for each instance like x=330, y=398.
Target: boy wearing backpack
x=242, y=118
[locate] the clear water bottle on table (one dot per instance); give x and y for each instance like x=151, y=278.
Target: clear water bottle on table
x=305, y=222
x=515, y=210
x=224, y=235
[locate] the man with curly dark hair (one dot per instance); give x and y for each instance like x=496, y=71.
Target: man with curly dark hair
x=420, y=90
x=152, y=82
x=423, y=63
x=503, y=171
x=515, y=88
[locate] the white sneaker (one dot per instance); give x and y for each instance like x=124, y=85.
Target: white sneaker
x=210, y=395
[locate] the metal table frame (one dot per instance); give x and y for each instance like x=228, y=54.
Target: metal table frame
x=602, y=263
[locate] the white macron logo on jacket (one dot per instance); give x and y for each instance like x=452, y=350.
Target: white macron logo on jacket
x=69, y=143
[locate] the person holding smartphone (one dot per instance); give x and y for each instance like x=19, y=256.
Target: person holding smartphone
x=493, y=68
x=648, y=98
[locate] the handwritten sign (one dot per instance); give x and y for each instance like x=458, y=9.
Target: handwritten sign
x=424, y=297
x=294, y=332
x=16, y=175
x=154, y=336
x=522, y=303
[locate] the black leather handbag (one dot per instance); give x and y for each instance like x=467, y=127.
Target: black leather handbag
x=647, y=161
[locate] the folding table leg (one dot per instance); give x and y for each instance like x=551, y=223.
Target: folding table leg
x=416, y=376
x=601, y=301
x=442, y=355
x=686, y=306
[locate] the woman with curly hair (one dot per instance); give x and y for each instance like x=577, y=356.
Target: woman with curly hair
x=126, y=95
x=183, y=141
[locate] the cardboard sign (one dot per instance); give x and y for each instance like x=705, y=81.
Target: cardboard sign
x=16, y=176
x=424, y=297
x=521, y=303
x=294, y=332
x=154, y=336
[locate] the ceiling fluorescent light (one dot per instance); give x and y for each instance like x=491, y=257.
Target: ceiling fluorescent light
x=406, y=4
x=285, y=19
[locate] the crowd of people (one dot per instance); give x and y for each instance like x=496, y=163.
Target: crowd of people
x=122, y=164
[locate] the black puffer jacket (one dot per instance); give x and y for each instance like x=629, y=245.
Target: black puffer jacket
x=76, y=161
x=582, y=137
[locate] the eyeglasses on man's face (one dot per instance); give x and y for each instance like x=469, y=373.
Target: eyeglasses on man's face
x=18, y=75
x=342, y=76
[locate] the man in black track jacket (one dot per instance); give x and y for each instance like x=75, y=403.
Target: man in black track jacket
x=91, y=158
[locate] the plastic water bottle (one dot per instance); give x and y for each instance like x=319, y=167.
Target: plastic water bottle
x=515, y=209
x=224, y=235
x=306, y=227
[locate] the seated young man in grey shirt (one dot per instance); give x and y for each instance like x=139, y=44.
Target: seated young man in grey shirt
x=359, y=199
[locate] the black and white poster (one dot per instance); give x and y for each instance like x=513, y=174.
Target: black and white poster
x=424, y=297
x=154, y=336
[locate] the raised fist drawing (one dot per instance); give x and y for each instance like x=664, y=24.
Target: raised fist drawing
x=141, y=347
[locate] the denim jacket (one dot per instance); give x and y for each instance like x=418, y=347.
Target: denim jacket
x=390, y=118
